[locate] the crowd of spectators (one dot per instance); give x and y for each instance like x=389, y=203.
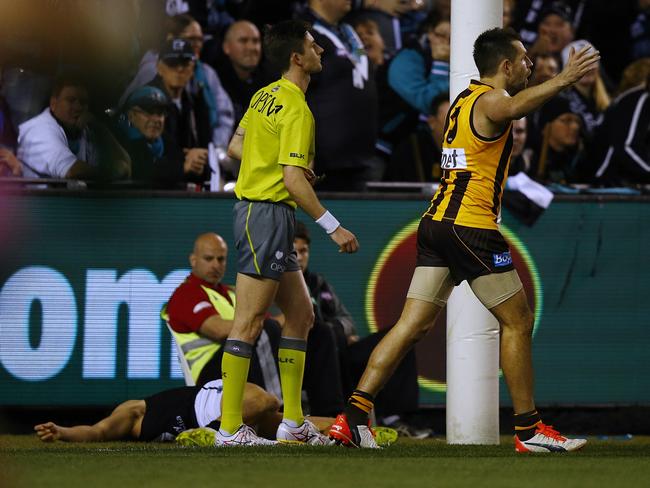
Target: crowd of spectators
x=150, y=91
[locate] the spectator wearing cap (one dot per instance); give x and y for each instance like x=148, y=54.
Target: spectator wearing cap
x=188, y=120
x=64, y=141
x=204, y=83
x=156, y=160
x=559, y=155
x=548, y=28
x=588, y=97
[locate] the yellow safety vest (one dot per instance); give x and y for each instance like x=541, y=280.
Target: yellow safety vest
x=198, y=349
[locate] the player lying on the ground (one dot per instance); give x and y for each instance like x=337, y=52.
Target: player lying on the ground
x=165, y=415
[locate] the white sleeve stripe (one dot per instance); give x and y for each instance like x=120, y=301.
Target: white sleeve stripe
x=630, y=135
x=200, y=306
x=605, y=164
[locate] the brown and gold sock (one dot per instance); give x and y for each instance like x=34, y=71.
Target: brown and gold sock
x=358, y=407
x=526, y=423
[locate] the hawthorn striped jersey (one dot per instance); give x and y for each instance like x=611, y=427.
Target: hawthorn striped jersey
x=474, y=168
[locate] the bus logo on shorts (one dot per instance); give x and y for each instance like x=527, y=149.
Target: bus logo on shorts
x=503, y=259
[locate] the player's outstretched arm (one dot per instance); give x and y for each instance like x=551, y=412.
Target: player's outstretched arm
x=123, y=422
x=304, y=195
x=500, y=108
x=50, y=432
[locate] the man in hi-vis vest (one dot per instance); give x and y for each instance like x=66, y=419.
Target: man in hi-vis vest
x=200, y=313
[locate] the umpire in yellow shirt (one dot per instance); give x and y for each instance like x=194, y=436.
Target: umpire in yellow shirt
x=275, y=142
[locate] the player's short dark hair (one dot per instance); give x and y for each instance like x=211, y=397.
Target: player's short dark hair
x=302, y=232
x=282, y=40
x=72, y=78
x=492, y=47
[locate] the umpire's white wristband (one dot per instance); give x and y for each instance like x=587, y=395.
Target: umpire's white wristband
x=328, y=222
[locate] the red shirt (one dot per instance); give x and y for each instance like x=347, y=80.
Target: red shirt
x=190, y=306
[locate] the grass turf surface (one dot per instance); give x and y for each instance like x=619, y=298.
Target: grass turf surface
x=27, y=462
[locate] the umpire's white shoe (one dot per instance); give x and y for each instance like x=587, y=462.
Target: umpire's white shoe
x=547, y=439
x=245, y=436
x=307, y=433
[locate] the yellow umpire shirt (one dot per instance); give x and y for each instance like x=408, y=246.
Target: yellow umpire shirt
x=474, y=168
x=279, y=131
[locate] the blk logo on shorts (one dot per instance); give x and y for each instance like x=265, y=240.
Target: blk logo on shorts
x=503, y=259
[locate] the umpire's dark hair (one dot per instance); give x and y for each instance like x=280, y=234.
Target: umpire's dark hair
x=282, y=40
x=301, y=232
x=70, y=78
x=492, y=47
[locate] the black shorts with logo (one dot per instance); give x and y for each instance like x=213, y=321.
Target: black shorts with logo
x=169, y=413
x=468, y=252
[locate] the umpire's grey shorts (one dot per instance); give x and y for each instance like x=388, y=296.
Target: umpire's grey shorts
x=264, y=238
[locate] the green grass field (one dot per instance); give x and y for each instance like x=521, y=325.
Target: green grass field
x=27, y=462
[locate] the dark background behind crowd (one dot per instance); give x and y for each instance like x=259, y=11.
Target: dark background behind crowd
x=150, y=91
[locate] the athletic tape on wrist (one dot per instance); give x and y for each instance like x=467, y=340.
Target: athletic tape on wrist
x=328, y=222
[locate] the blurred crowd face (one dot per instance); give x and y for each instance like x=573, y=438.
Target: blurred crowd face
x=508, y=11
x=556, y=31
x=150, y=122
x=589, y=79
x=243, y=45
x=439, y=40
x=70, y=106
x=302, y=249
x=546, y=67
x=564, y=131
x=175, y=74
x=519, y=135
x=333, y=10
x=372, y=41
x=194, y=35
x=444, y=8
